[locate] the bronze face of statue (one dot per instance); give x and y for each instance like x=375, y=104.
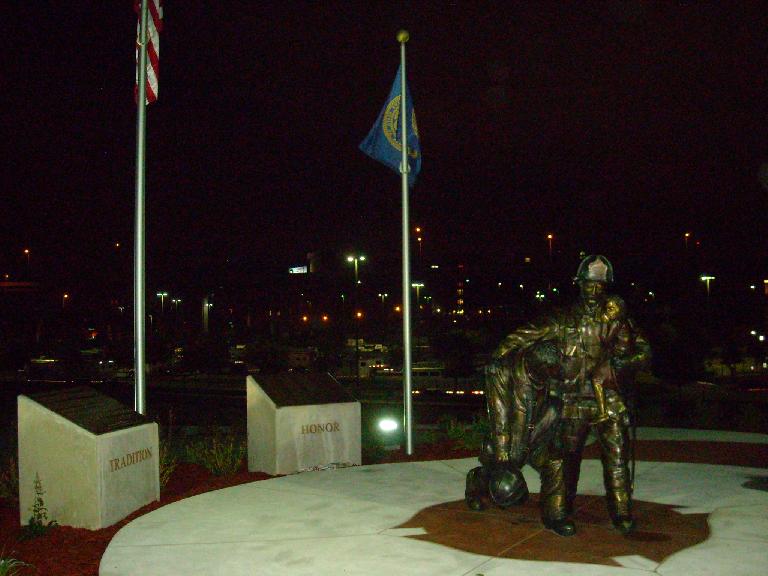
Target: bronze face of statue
x=594, y=339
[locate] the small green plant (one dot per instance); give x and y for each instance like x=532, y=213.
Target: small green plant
x=168, y=462
x=168, y=459
x=222, y=454
x=429, y=436
x=38, y=523
x=9, y=481
x=11, y=566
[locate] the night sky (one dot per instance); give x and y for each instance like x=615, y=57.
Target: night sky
x=617, y=126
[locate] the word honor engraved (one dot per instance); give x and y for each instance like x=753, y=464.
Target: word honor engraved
x=319, y=428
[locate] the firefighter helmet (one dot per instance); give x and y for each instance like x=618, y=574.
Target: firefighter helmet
x=507, y=486
x=595, y=268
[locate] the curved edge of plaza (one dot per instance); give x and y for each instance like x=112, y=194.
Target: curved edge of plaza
x=368, y=520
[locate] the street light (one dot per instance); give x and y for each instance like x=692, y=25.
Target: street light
x=176, y=302
x=64, y=299
x=707, y=279
x=419, y=239
x=162, y=296
x=383, y=296
x=549, y=241
x=355, y=259
x=418, y=286
x=686, y=236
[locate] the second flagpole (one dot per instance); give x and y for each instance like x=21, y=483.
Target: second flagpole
x=139, y=330
x=402, y=38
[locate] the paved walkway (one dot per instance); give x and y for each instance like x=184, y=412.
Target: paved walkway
x=350, y=521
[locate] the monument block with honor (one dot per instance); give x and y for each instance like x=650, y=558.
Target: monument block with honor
x=97, y=459
x=297, y=421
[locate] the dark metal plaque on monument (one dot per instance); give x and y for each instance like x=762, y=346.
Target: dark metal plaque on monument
x=301, y=388
x=89, y=409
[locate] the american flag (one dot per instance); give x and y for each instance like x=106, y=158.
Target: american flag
x=154, y=27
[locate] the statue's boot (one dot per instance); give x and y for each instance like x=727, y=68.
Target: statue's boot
x=560, y=526
x=620, y=509
x=554, y=513
x=618, y=490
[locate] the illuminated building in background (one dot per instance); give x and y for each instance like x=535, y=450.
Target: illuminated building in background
x=460, y=286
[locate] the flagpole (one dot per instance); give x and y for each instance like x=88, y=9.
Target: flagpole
x=402, y=37
x=139, y=331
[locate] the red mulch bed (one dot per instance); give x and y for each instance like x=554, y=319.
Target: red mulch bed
x=78, y=551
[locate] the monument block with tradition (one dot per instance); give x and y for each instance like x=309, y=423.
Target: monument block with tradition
x=297, y=421
x=97, y=459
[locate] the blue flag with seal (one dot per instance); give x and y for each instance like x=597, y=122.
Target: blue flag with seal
x=384, y=141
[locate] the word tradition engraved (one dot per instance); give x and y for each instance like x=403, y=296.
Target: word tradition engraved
x=129, y=459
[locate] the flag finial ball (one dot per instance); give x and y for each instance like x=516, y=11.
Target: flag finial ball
x=403, y=36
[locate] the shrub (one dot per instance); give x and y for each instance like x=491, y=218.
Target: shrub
x=168, y=458
x=467, y=436
x=168, y=461
x=9, y=482
x=222, y=454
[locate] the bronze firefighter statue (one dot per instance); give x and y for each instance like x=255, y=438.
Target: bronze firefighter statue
x=542, y=413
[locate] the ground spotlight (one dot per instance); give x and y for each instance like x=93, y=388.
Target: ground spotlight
x=387, y=425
